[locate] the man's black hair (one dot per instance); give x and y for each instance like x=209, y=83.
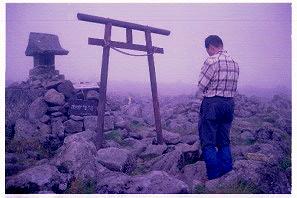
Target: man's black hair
x=213, y=40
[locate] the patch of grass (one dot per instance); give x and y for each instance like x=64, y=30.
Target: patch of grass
x=125, y=143
x=255, y=121
x=243, y=187
x=148, y=157
x=79, y=186
x=135, y=125
x=113, y=135
x=23, y=146
x=269, y=119
x=139, y=170
x=249, y=142
x=199, y=189
x=285, y=163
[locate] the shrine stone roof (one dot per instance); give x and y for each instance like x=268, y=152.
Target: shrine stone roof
x=42, y=43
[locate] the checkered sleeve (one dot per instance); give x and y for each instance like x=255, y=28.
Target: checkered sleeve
x=206, y=74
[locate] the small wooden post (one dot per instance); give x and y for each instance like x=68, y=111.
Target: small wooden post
x=103, y=85
x=129, y=36
x=153, y=81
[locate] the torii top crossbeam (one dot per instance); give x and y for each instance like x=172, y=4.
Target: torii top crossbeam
x=106, y=43
x=123, y=24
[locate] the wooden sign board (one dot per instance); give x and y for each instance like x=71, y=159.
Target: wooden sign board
x=83, y=107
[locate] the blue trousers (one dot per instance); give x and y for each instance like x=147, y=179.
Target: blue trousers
x=216, y=116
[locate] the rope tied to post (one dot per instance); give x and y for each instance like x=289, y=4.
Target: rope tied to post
x=107, y=44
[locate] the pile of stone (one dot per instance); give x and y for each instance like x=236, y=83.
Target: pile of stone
x=51, y=150
x=37, y=110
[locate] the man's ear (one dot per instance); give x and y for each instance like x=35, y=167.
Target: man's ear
x=211, y=47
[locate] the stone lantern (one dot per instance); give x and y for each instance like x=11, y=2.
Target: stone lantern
x=43, y=47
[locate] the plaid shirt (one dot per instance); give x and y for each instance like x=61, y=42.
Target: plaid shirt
x=219, y=76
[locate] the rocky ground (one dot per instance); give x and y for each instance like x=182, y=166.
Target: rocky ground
x=50, y=151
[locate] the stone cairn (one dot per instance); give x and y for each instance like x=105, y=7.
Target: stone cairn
x=43, y=101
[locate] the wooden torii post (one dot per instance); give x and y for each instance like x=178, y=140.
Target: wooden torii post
x=106, y=43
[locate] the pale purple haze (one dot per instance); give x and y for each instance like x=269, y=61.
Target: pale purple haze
x=258, y=36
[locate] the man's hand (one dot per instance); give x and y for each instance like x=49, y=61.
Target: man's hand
x=199, y=94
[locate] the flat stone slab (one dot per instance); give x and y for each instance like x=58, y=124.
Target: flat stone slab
x=76, y=118
x=72, y=126
x=90, y=122
x=37, y=108
x=53, y=84
x=170, y=137
x=135, y=146
x=116, y=159
x=155, y=182
x=153, y=151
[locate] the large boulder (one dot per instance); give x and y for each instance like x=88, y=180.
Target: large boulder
x=250, y=177
x=247, y=136
x=90, y=122
x=134, y=146
x=25, y=130
x=117, y=159
x=72, y=126
x=229, y=183
x=66, y=88
x=260, y=177
x=14, y=162
x=37, y=108
x=54, y=97
x=87, y=135
x=172, y=162
x=35, y=179
x=17, y=101
x=52, y=84
x=51, y=143
x=189, y=139
x=77, y=156
x=194, y=174
x=170, y=137
x=155, y=182
x=43, y=128
x=58, y=129
x=182, y=126
x=153, y=151
x=44, y=119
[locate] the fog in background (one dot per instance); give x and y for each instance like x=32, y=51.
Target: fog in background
x=258, y=36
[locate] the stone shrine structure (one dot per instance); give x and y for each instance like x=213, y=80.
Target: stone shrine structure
x=43, y=47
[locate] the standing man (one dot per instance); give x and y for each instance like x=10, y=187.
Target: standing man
x=217, y=85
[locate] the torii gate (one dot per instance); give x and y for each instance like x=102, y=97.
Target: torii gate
x=106, y=43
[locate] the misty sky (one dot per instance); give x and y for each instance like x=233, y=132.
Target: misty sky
x=258, y=36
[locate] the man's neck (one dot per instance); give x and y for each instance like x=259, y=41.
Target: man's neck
x=220, y=50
